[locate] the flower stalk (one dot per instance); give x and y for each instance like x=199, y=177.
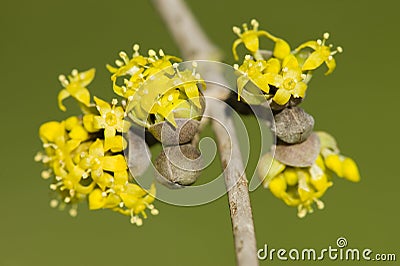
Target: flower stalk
x=194, y=44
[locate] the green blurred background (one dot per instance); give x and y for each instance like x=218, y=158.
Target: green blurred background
x=357, y=104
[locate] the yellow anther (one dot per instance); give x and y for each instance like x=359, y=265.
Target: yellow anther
x=152, y=53
x=73, y=212
x=45, y=174
x=119, y=63
x=53, y=203
x=254, y=23
x=236, y=30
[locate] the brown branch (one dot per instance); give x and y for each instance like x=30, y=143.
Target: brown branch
x=194, y=44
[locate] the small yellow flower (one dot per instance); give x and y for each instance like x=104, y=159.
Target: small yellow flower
x=135, y=201
x=61, y=148
x=98, y=200
x=76, y=129
x=168, y=97
x=288, y=82
x=136, y=70
x=111, y=119
x=301, y=187
x=97, y=162
x=188, y=82
x=161, y=62
x=342, y=166
x=133, y=67
x=250, y=39
x=75, y=86
x=252, y=70
x=321, y=54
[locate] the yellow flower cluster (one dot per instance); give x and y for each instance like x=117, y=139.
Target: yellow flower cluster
x=84, y=155
x=301, y=187
x=155, y=88
x=282, y=73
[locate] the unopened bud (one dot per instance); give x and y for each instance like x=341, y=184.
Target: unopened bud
x=293, y=125
x=178, y=166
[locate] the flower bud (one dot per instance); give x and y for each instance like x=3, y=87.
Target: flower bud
x=169, y=135
x=299, y=155
x=293, y=125
x=178, y=166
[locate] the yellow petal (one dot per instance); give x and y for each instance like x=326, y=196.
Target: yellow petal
x=281, y=49
x=72, y=144
x=88, y=123
x=84, y=189
x=278, y=186
x=251, y=42
x=121, y=177
x=96, y=200
x=310, y=44
x=305, y=194
x=83, y=96
x=320, y=162
x=63, y=94
x=300, y=90
x=234, y=47
x=103, y=106
x=192, y=92
x=273, y=66
x=350, y=170
x=96, y=149
x=261, y=82
x=71, y=122
x=274, y=79
x=334, y=163
x=86, y=77
x=49, y=131
x=313, y=61
x=115, y=143
x=112, y=201
x=78, y=133
x=109, y=132
x=318, y=178
x=331, y=64
x=290, y=62
x=113, y=163
x=282, y=96
x=111, y=68
x=290, y=176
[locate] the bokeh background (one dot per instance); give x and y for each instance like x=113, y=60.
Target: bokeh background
x=358, y=104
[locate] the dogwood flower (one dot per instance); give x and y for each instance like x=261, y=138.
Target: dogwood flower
x=111, y=119
x=75, y=86
x=289, y=81
x=249, y=37
x=322, y=53
x=302, y=187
